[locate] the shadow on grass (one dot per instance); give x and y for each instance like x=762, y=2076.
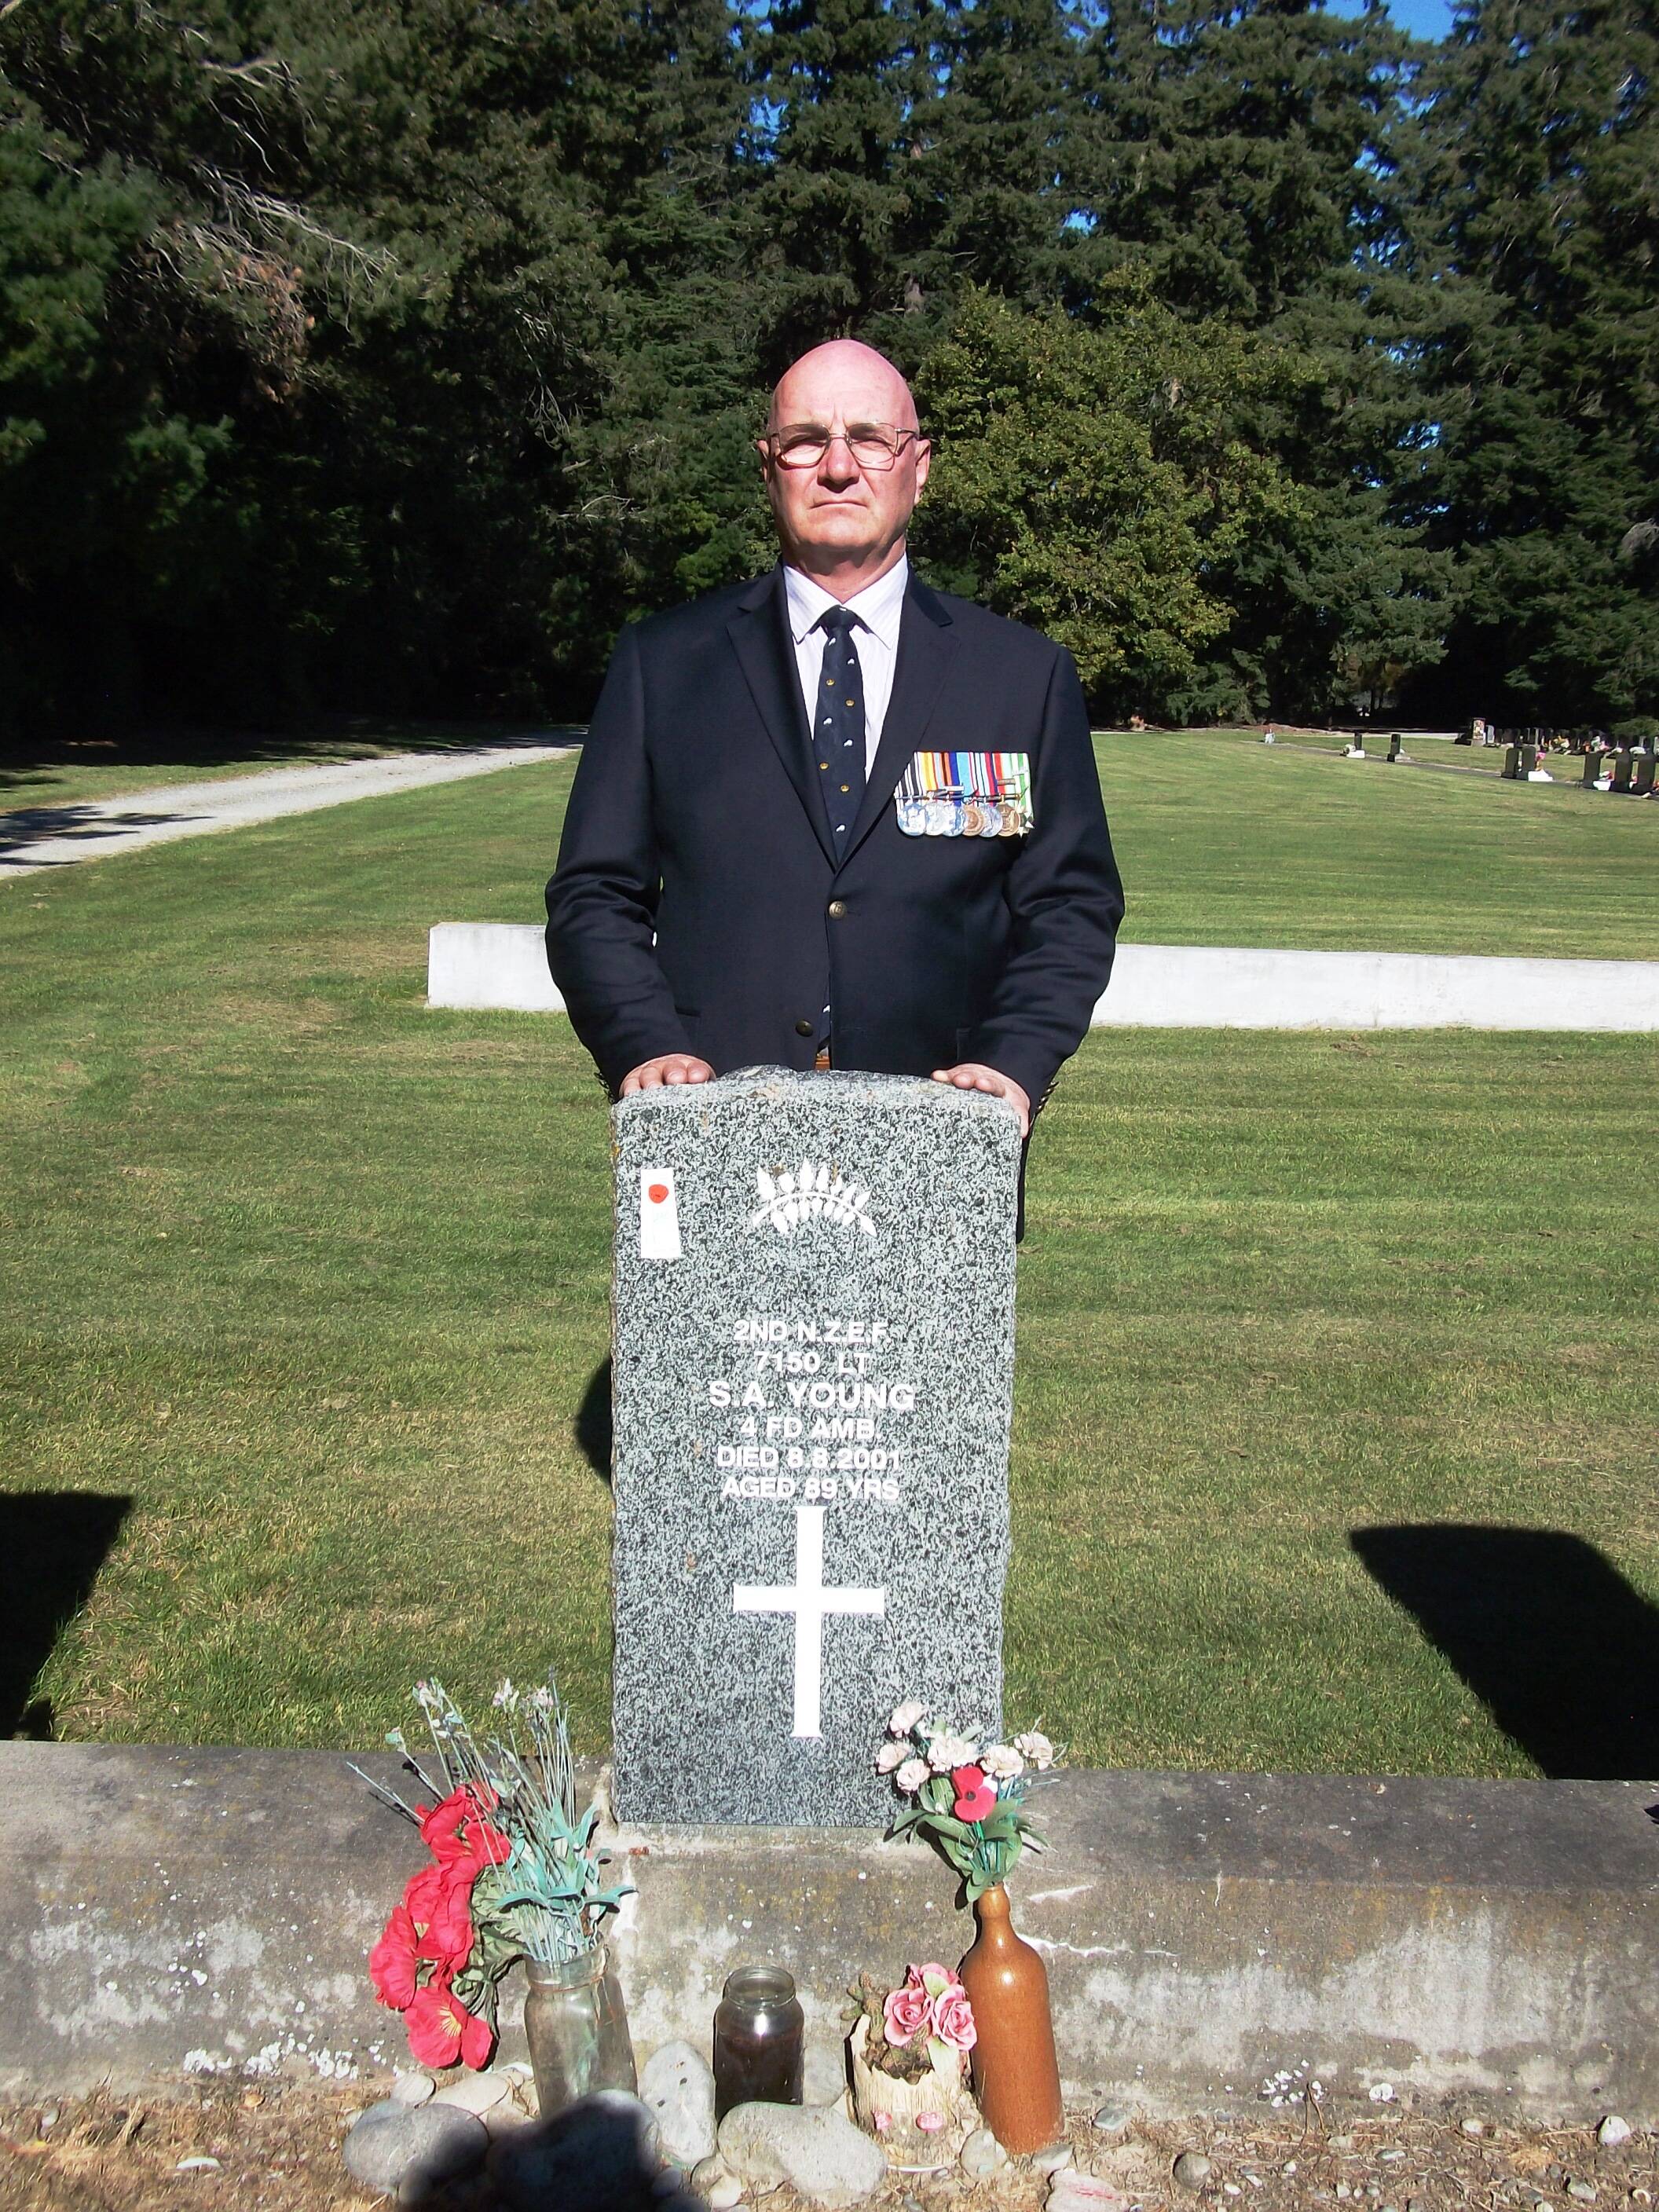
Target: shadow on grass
x=34, y=825
x=593, y=1425
x=1550, y=1636
x=53, y=1543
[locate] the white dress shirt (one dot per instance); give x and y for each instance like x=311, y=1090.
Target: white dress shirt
x=879, y=608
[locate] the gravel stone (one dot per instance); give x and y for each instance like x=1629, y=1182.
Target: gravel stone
x=390, y=2142
x=817, y=2149
x=1613, y=2132
x=982, y=2155
x=1581, y=2193
x=679, y=2087
x=1473, y=2127
x=1192, y=2169
x=1052, y=2160
x=1113, y=2119
x=412, y=2088
x=476, y=2093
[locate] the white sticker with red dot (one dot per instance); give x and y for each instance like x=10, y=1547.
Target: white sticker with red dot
x=660, y=1215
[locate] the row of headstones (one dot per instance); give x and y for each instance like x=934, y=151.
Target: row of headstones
x=1355, y=748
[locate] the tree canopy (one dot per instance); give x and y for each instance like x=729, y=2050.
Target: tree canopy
x=391, y=353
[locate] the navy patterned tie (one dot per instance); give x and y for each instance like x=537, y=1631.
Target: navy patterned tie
x=838, y=725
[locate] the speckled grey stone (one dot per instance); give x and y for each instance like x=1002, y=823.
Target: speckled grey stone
x=896, y=1277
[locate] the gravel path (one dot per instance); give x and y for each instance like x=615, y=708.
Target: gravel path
x=275, y=2148
x=36, y=838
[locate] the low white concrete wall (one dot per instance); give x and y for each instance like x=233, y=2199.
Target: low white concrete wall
x=504, y=965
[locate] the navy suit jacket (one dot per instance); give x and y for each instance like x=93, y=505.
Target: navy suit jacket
x=698, y=906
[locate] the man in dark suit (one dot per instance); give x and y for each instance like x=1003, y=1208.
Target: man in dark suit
x=832, y=817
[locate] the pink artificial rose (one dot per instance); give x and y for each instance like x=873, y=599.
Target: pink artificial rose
x=953, y=2019
x=882, y=2122
x=904, y=2013
x=930, y=2123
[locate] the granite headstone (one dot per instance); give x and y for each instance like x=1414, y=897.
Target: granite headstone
x=813, y=1337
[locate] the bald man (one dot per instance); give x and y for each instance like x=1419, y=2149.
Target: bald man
x=832, y=817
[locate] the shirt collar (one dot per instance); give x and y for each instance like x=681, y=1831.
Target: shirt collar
x=879, y=606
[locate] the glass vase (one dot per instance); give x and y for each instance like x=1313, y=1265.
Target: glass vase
x=576, y=2022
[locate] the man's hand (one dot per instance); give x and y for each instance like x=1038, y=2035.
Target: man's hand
x=972, y=1075
x=671, y=1067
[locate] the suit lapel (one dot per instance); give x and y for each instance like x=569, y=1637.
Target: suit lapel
x=925, y=650
x=760, y=636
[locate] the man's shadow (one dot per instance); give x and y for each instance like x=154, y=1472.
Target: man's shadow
x=592, y=1426
x=1555, y=1643
x=53, y=1544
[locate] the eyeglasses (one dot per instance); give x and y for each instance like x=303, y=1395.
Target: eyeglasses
x=874, y=446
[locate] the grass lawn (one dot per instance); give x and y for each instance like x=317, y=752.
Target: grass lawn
x=309, y=1284
x=1225, y=840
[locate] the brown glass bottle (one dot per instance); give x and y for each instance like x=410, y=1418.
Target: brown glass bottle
x=759, y=2049
x=1015, y=2076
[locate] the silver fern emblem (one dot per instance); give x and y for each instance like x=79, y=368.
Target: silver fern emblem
x=812, y=1192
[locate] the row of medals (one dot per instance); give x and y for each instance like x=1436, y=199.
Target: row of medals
x=963, y=817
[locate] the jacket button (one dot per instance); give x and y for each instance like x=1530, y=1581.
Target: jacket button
x=804, y=1028
x=837, y=908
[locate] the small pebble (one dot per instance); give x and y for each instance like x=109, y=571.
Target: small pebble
x=1612, y=2130
x=1192, y=2169
x=1231, y=2189
x=1473, y=2127
x=724, y=2193
x=1581, y=2193
x=1112, y=2119
x=412, y=2088
x=1052, y=2160
x=197, y=2165
x=1392, y=2157
x=1338, y=2142
x=49, y=2120
x=1416, y=2204
x=982, y=2155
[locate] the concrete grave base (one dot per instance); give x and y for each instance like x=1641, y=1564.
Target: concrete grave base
x=210, y=1911
x=502, y=965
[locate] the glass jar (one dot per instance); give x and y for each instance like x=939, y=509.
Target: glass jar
x=576, y=2023
x=759, y=2048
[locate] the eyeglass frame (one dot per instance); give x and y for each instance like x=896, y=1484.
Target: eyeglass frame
x=769, y=440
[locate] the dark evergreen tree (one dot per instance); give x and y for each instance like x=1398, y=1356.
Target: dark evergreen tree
x=845, y=97
x=1539, y=221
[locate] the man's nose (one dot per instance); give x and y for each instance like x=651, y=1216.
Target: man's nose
x=838, y=466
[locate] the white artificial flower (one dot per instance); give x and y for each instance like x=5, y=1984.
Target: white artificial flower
x=905, y=1717
x=541, y=1700
x=1035, y=1749
x=889, y=1757
x=506, y=1699
x=1000, y=1760
x=911, y=1776
x=944, y=1752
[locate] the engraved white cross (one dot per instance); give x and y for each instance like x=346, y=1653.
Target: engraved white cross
x=809, y=1601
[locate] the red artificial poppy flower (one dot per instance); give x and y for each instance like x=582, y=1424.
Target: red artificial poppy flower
x=456, y=1832
x=392, y=1963
x=438, y=1898
x=441, y=2030
x=976, y=1799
